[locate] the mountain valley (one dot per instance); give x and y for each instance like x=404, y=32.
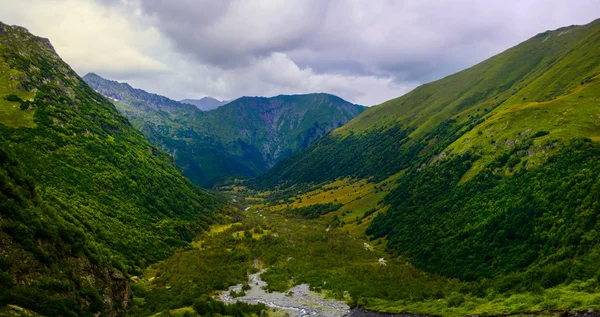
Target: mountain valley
x=473, y=195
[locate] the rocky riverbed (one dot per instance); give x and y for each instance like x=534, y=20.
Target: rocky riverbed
x=299, y=301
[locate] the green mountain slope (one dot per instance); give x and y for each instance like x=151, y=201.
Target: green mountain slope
x=408, y=131
x=496, y=166
x=241, y=139
x=84, y=198
x=493, y=81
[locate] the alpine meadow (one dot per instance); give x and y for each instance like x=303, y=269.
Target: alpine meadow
x=244, y=179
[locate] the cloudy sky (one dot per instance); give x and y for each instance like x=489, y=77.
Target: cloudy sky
x=364, y=51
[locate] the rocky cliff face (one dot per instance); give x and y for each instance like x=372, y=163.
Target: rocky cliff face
x=113, y=285
x=113, y=295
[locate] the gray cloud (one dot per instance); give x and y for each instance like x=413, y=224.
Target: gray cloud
x=415, y=40
x=236, y=33
x=364, y=51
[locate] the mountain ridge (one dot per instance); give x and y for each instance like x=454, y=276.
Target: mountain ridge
x=240, y=139
x=205, y=103
x=537, y=45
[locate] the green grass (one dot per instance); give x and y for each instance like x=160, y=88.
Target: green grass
x=574, y=115
x=576, y=296
x=563, y=62
x=10, y=113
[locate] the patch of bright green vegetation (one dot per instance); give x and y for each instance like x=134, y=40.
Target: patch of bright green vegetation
x=255, y=233
x=220, y=228
x=179, y=312
x=575, y=296
x=561, y=119
x=12, y=113
x=359, y=201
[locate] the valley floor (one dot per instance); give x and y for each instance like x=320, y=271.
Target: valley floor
x=274, y=245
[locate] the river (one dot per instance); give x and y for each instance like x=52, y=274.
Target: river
x=300, y=301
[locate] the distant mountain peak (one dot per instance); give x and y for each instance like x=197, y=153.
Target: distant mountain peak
x=19, y=35
x=211, y=141
x=205, y=103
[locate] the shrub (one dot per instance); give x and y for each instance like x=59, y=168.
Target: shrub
x=13, y=98
x=455, y=299
x=513, y=161
x=540, y=133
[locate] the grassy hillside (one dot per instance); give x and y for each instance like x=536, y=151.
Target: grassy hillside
x=520, y=183
x=241, y=139
x=541, y=68
x=85, y=199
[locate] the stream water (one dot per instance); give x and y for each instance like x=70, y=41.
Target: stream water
x=299, y=302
